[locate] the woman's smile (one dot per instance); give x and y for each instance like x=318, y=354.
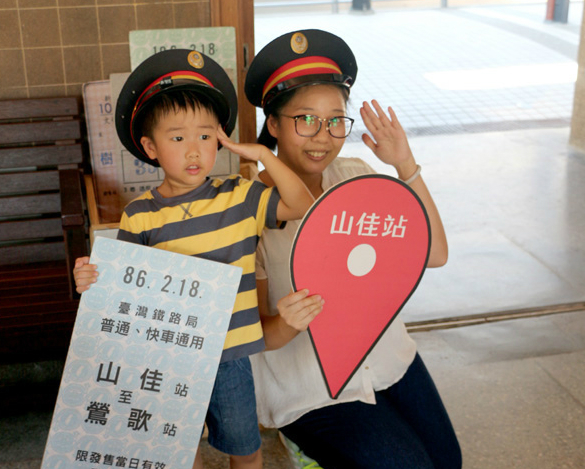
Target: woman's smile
x=316, y=155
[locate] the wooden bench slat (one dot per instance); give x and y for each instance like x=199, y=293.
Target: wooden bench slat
x=57, y=285
x=12, y=109
x=51, y=278
x=18, y=183
x=16, y=305
x=30, y=229
x=28, y=205
x=11, y=289
x=33, y=270
x=32, y=253
x=37, y=314
x=41, y=156
x=52, y=131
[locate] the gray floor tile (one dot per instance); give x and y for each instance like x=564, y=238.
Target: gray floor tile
x=513, y=390
x=568, y=370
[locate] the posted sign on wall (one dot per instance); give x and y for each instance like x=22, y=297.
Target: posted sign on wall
x=142, y=361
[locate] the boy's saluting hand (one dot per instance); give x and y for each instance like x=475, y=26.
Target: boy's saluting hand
x=250, y=151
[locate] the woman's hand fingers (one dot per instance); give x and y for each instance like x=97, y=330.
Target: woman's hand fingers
x=298, y=309
x=376, y=120
x=367, y=116
x=388, y=140
x=394, y=120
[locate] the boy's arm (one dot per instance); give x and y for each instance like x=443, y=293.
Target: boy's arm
x=295, y=198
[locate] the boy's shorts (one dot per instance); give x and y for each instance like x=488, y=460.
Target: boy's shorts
x=231, y=419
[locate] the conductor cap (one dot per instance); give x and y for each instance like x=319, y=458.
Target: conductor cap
x=296, y=59
x=169, y=71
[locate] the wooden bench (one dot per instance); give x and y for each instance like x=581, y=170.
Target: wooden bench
x=42, y=226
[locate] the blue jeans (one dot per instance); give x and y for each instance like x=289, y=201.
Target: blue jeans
x=408, y=428
x=231, y=417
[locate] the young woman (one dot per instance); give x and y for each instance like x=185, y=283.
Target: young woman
x=390, y=414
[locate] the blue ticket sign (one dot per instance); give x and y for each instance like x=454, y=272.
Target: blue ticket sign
x=142, y=360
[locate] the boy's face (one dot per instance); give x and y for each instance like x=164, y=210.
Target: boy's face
x=185, y=144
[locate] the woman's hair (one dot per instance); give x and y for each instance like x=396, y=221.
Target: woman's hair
x=274, y=107
x=173, y=101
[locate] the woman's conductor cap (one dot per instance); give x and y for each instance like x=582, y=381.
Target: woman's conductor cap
x=296, y=59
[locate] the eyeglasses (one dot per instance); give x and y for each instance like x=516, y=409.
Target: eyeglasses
x=307, y=125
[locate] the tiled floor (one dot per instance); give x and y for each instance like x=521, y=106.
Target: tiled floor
x=451, y=69
x=513, y=390
x=510, y=191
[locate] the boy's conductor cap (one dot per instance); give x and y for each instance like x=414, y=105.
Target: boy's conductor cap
x=299, y=58
x=172, y=70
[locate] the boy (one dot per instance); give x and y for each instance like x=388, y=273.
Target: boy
x=172, y=112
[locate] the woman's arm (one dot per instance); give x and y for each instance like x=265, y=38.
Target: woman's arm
x=390, y=145
x=296, y=311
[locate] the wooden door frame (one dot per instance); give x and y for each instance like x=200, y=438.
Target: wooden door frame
x=240, y=15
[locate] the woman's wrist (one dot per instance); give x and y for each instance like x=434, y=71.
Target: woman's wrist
x=410, y=179
x=407, y=169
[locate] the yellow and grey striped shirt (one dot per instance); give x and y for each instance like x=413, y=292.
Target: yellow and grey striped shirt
x=220, y=221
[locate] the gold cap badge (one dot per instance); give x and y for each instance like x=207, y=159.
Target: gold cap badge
x=299, y=43
x=195, y=59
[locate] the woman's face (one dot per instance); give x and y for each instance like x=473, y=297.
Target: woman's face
x=309, y=155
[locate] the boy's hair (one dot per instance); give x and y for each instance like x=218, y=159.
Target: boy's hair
x=173, y=101
x=275, y=107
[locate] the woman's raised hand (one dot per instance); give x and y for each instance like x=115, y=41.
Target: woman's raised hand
x=388, y=141
x=298, y=309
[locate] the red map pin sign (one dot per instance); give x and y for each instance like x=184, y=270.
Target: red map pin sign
x=363, y=246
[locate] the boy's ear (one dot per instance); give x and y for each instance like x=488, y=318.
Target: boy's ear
x=272, y=125
x=149, y=147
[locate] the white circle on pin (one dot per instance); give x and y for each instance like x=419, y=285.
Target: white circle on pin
x=361, y=260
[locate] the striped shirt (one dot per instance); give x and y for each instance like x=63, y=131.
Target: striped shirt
x=220, y=221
